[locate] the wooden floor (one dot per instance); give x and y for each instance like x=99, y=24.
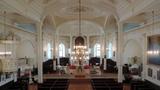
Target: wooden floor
x=80, y=84
x=85, y=84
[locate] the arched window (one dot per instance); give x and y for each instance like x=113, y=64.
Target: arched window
x=49, y=51
x=97, y=50
x=61, y=50
x=110, y=52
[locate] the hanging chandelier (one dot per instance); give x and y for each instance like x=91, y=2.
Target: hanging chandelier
x=7, y=37
x=80, y=50
x=8, y=64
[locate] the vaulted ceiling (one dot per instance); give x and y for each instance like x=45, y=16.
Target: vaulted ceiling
x=61, y=11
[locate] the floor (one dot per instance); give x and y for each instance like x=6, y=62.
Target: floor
x=89, y=76
x=85, y=84
x=126, y=87
x=80, y=84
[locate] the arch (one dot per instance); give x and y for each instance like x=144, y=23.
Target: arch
x=111, y=24
x=130, y=40
x=131, y=49
x=48, y=23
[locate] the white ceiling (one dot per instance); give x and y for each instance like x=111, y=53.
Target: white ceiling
x=87, y=28
x=63, y=11
x=89, y=8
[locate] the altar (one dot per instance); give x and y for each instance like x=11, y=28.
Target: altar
x=86, y=70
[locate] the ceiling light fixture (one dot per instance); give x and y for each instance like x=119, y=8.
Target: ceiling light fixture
x=80, y=50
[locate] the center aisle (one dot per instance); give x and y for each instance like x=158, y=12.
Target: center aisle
x=80, y=84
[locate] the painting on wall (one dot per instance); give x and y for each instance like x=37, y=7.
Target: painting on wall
x=150, y=71
x=158, y=75
x=153, y=51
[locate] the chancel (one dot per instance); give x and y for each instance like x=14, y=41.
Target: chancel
x=79, y=44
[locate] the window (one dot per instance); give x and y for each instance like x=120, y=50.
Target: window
x=110, y=52
x=49, y=51
x=61, y=50
x=97, y=50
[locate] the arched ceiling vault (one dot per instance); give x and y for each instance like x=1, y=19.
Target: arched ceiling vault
x=62, y=11
x=72, y=28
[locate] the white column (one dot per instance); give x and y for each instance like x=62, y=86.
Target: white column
x=116, y=48
x=144, y=57
x=53, y=44
x=71, y=61
x=105, y=64
x=57, y=48
x=88, y=49
x=54, y=51
x=102, y=48
x=120, y=52
x=105, y=41
x=40, y=52
x=88, y=42
x=101, y=43
x=104, y=52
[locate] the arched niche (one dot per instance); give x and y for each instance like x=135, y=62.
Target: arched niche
x=131, y=49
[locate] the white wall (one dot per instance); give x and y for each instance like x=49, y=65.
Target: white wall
x=140, y=35
x=132, y=48
x=26, y=46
